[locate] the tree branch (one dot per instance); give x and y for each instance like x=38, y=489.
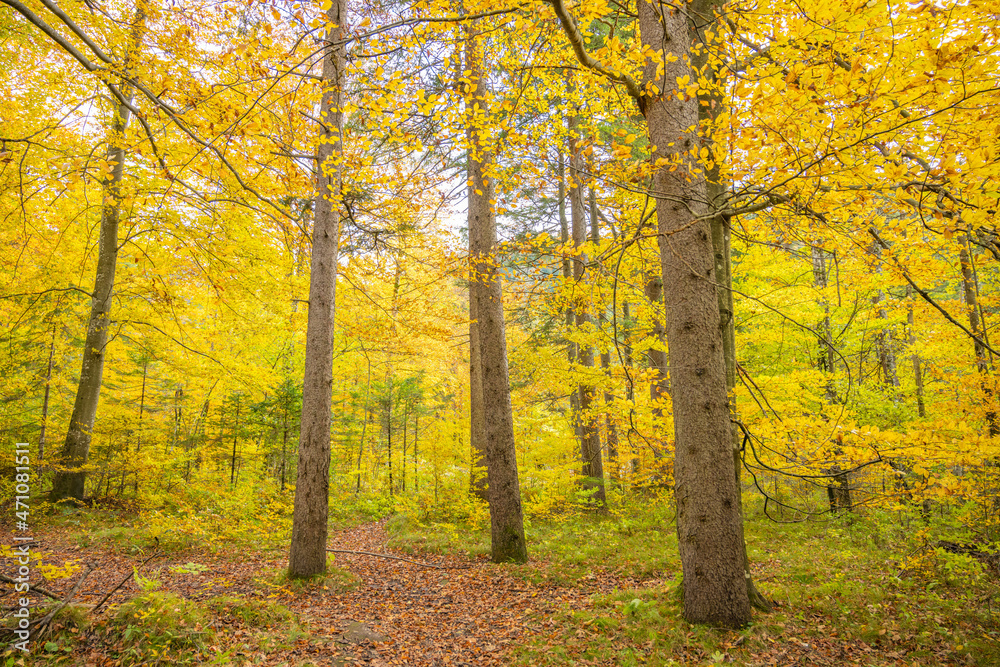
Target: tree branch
x=575, y=38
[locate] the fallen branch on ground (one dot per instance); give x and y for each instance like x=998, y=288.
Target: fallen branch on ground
x=38, y=589
x=122, y=583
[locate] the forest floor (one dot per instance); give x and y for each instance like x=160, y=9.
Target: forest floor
x=569, y=606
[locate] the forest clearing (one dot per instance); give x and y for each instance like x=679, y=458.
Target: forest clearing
x=469, y=332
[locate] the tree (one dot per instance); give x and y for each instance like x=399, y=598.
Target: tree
x=70, y=477
x=506, y=521
x=307, y=554
x=709, y=522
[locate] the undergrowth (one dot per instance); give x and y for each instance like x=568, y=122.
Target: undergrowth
x=876, y=586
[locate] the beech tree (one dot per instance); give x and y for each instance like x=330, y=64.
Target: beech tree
x=307, y=554
x=504, y=492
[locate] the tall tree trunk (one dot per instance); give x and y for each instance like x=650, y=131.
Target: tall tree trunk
x=609, y=422
x=971, y=291
x=138, y=438
x=885, y=347
x=569, y=315
x=724, y=275
x=824, y=361
x=709, y=524
x=590, y=445
x=70, y=474
x=477, y=418
x=307, y=554
x=45, y=398
x=236, y=439
x=918, y=376
x=506, y=520
x=659, y=387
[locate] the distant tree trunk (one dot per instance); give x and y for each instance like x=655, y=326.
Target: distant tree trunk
x=45, y=398
x=236, y=437
x=138, y=437
x=627, y=361
x=976, y=325
x=569, y=314
x=824, y=361
x=477, y=438
x=307, y=554
x=918, y=376
x=70, y=476
x=284, y=442
x=884, y=343
x=709, y=523
x=416, y=431
x=388, y=429
x=839, y=491
x=659, y=387
x=506, y=520
x=609, y=422
x=590, y=444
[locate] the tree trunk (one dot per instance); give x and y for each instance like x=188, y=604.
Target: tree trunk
x=477, y=418
x=609, y=422
x=918, y=376
x=506, y=521
x=592, y=467
x=659, y=387
x=709, y=525
x=45, y=398
x=236, y=439
x=70, y=474
x=569, y=315
x=307, y=554
x=971, y=292
x=824, y=361
x=138, y=438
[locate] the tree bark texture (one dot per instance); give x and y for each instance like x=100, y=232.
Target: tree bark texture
x=609, y=422
x=506, y=519
x=971, y=292
x=307, y=555
x=592, y=467
x=70, y=474
x=477, y=418
x=709, y=525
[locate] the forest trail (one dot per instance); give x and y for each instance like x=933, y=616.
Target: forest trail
x=464, y=611
x=378, y=611
x=472, y=613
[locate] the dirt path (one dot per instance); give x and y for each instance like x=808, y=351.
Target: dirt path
x=399, y=613
x=474, y=614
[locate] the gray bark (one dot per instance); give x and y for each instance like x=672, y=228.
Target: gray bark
x=506, y=519
x=970, y=289
x=609, y=422
x=592, y=466
x=709, y=524
x=307, y=554
x=918, y=375
x=824, y=360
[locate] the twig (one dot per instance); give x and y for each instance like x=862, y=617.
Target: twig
x=43, y=623
x=38, y=589
x=122, y=583
x=406, y=560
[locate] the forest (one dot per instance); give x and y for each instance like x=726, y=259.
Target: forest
x=527, y=332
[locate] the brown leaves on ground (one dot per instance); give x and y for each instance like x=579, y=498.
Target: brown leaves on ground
x=463, y=612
